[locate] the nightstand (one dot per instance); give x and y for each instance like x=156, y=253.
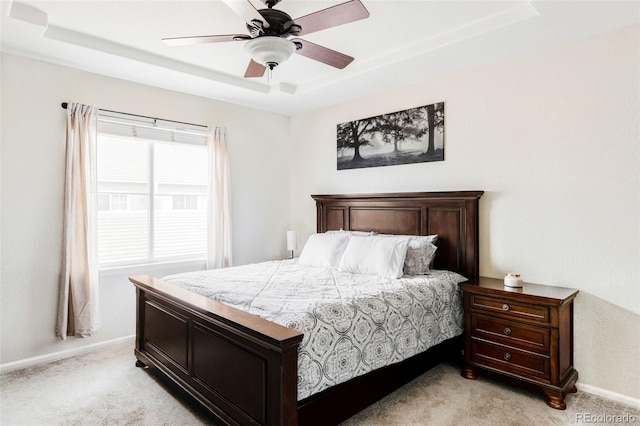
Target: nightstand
x=524, y=333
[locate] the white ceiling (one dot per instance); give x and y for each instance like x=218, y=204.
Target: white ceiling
x=400, y=43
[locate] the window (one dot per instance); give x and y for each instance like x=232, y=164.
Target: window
x=152, y=194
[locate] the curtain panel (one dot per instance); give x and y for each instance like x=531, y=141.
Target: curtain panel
x=219, y=238
x=78, y=304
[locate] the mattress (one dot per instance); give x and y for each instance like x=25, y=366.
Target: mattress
x=352, y=323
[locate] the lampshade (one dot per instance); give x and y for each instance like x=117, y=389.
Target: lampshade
x=269, y=50
x=292, y=240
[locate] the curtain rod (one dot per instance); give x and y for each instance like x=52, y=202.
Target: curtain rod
x=65, y=104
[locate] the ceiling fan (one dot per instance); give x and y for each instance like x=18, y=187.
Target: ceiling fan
x=268, y=42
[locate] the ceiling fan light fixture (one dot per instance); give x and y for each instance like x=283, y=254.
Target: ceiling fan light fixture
x=269, y=51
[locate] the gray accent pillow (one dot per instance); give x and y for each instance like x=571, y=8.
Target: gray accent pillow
x=420, y=254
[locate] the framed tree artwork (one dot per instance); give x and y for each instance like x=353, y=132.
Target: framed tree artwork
x=414, y=135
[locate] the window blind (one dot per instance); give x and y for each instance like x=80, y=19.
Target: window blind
x=116, y=124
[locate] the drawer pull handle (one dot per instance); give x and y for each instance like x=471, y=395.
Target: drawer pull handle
x=507, y=331
x=505, y=307
x=507, y=357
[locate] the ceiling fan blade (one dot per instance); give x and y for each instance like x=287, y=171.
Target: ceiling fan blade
x=183, y=41
x=323, y=54
x=247, y=11
x=333, y=16
x=254, y=70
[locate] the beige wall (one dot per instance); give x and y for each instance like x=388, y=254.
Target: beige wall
x=553, y=139
x=32, y=188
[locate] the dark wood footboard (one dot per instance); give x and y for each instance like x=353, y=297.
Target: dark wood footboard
x=239, y=366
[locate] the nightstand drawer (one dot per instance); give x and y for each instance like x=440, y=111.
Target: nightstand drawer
x=510, y=360
x=511, y=333
x=510, y=309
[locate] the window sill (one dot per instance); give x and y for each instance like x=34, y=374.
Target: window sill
x=155, y=269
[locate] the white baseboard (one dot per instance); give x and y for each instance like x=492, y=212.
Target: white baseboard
x=624, y=399
x=43, y=359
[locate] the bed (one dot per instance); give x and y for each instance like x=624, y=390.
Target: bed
x=193, y=340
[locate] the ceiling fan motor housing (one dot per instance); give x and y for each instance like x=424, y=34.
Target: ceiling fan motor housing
x=280, y=24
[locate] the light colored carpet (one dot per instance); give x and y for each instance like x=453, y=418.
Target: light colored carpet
x=105, y=388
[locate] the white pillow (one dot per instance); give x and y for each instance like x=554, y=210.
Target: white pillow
x=420, y=253
x=351, y=233
x=373, y=255
x=426, y=238
x=323, y=250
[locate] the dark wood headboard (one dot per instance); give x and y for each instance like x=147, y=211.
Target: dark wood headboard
x=451, y=215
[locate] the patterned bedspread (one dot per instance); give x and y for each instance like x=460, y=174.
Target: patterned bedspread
x=352, y=324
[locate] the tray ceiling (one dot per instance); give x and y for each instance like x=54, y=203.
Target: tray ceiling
x=400, y=43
